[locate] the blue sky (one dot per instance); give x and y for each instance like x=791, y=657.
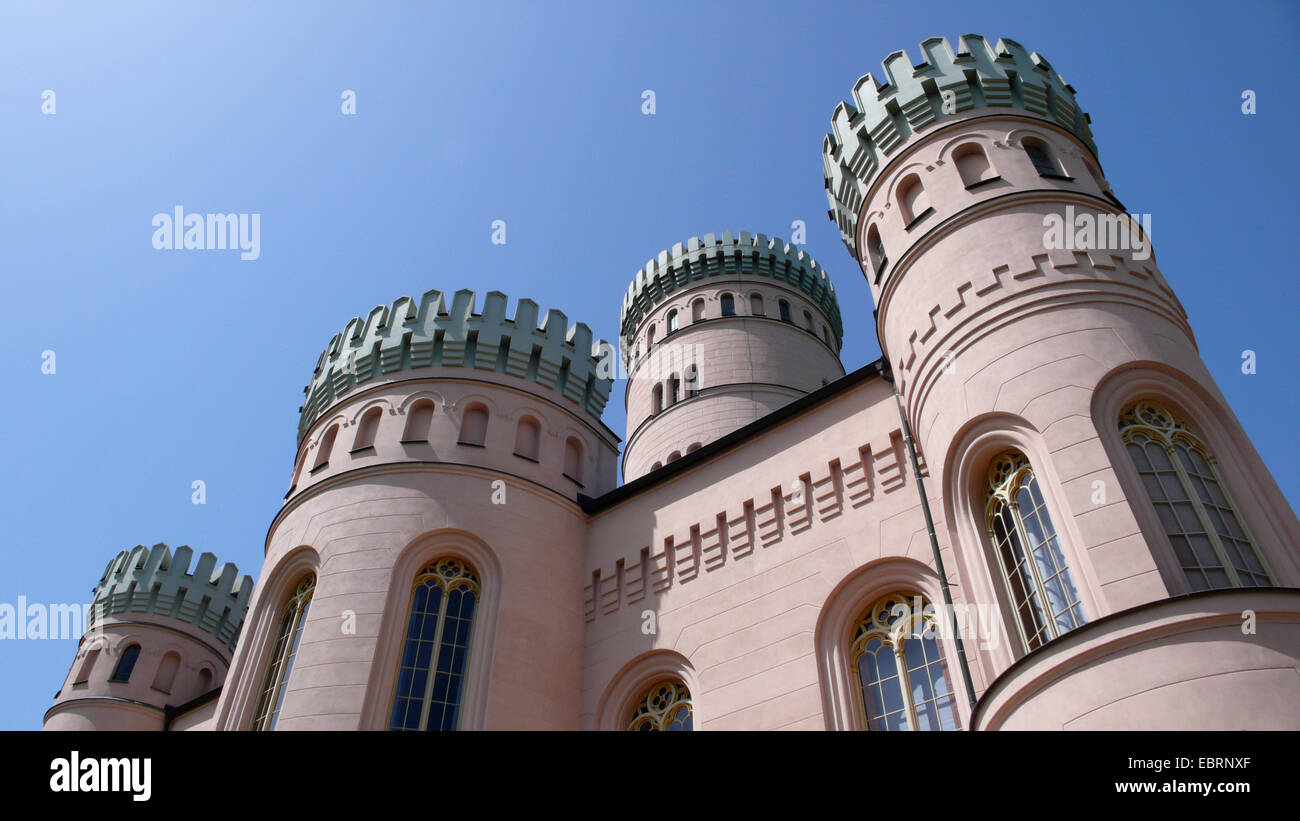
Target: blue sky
x=177, y=366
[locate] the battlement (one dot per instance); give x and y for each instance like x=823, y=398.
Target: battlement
x=433, y=333
x=727, y=254
x=144, y=580
x=884, y=115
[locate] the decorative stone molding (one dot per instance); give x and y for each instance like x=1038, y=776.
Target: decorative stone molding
x=682, y=551
x=728, y=255
x=884, y=116
x=407, y=336
x=157, y=581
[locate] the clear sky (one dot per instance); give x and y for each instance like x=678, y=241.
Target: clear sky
x=173, y=367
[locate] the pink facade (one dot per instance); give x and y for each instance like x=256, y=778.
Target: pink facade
x=455, y=550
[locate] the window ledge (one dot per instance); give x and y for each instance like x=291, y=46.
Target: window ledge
x=918, y=218
x=319, y=468
x=356, y=451
x=420, y=442
x=472, y=444
x=982, y=183
x=1063, y=177
x=571, y=479
x=529, y=458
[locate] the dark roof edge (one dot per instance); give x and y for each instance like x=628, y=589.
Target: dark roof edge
x=171, y=713
x=734, y=439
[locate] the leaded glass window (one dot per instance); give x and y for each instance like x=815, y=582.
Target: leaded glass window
x=665, y=707
x=431, y=671
x=1180, y=477
x=283, y=653
x=900, y=674
x=1039, y=586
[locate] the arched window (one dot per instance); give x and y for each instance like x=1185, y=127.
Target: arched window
x=431, y=671
x=1183, y=484
x=899, y=671
x=657, y=400
x=665, y=707
x=1041, y=156
x=694, y=447
x=419, y=421
x=126, y=664
x=474, y=425
x=292, y=618
x=784, y=308
x=672, y=320
x=205, y=680
x=528, y=438
x=87, y=667
x=368, y=429
x=656, y=465
x=826, y=335
x=1038, y=583
x=875, y=249
x=573, y=459
x=674, y=456
x=697, y=310
x=162, y=680
x=692, y=381
x=674, y=389
x=912, y=201
x=972, y=164
x=728, y=305
x=808, y=321
x=650, y=336
x=326, y=446
x=756, y=307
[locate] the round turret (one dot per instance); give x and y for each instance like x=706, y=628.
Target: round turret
x=717, y=333
x=433, y=441
x=157, y=636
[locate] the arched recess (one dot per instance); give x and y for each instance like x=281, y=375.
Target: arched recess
x=361, y=410
x=1256, y=495
x=964, y=495
x=392, y=627
x=841, y=698
x=631, y=682
x=248, y=672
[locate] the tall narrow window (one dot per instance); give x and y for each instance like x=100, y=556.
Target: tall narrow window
x=573, y=459
x=419, y=421
x=875, y=249
x=692, y=381
x=87, y=666
x=1041, y=156
x=972, y=164
x=650, y=336
x=784, y=308
x=205, y=680
x=1038, y=581
x=900, y=674
x=807, y=320
x=674, y=389
x=431, y=672
x=166, y=675
x=126, y=663
x=528, y=438
x=657, y=400
x=672, y=321
x=728, y=305
x=283, y=652
x=474, y=425
x=1182, y=481
x=368, y=429
x=326, y=446
x=697, y=310
x=665, y=707
x=756, y=305
x=912, y=202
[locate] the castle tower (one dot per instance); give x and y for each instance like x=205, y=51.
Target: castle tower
x=718, y=333
x=441, y=456
x=1063, y=356
x=157, y=636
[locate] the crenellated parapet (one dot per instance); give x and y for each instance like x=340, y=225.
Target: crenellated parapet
x=436, y=333
x=728, y=254
x=157, y=581
x=913, y=98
